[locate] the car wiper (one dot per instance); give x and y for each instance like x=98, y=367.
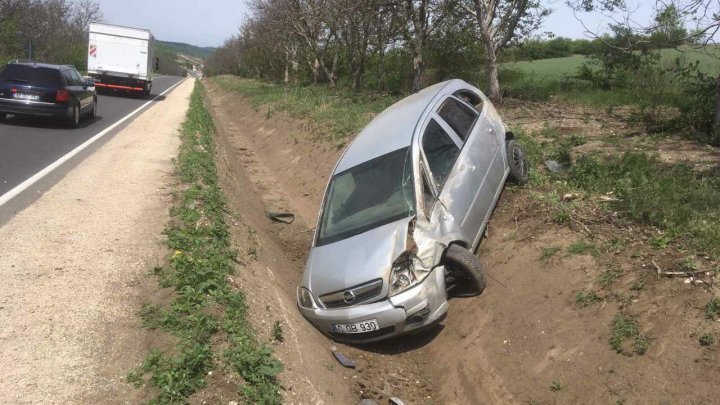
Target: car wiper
x=18, y=80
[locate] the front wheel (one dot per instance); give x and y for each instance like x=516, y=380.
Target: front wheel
x=3, y=116
x=93, y=113
x=466, y=270
x=517, y=160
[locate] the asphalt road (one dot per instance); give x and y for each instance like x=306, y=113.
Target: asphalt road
x=28, y=144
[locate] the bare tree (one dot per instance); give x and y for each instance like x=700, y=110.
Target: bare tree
x=499, y=22
x=422, y=16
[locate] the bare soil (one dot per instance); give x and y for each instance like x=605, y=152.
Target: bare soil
x=525, y=334
x=75, y=268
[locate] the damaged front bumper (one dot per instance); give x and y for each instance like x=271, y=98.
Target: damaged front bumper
x=412, y=310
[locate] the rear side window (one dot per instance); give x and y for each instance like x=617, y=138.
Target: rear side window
x=440, y=152
x=30, y=75
x=459, y=116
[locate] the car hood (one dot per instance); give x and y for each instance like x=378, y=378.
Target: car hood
x=356, y=260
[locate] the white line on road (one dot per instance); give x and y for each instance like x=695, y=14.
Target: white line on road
x=5, y=198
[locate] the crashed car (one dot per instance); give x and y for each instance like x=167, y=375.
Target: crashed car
x=404, y=210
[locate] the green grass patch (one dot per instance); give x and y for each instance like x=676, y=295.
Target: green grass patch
x=675, y=198
x=582, y=247
x=205, y=310
x=712, y=309
x=624, y=330
x=706, y=339
x=549, y=252
x=607, y=277
x=333, y=115
x=584, y=299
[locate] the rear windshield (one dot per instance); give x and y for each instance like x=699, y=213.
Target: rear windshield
x=31, y=76
x=367, y=196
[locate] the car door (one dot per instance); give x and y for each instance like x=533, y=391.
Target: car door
x=86, y=98
x=451, y=174
x=72, y=86
x=467, y=123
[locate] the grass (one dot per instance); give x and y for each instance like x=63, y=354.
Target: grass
x=549, y=252
x=625, y=328
x=583, y=247
x=608, y=276
x=586, y=298
x=556, y=386
x=706, y=339
x=205, y=310
x=712, y=309
x=333, y=115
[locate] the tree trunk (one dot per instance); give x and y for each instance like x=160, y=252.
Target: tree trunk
x=315, y=67
x=417, y=72
x=287, y=67
x=332, y=74
x=716, y=118
x=491, y=75
x=382, y=81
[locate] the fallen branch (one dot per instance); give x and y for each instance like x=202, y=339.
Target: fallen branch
x=660, y=271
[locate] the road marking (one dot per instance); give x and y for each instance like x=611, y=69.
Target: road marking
x=5, y=198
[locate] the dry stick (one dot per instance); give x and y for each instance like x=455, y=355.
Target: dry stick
x=660, y=272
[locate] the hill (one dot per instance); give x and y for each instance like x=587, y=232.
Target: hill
x=185, y=49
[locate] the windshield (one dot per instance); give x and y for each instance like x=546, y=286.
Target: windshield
x=367, y=196
x=29, y=75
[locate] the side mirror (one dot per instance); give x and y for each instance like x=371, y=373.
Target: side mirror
x=157, y=64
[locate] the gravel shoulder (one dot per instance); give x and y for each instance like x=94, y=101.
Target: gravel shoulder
x=75, y=267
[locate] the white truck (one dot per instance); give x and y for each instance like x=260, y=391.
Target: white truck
x=121, y=58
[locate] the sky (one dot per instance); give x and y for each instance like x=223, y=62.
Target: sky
x=210, y=22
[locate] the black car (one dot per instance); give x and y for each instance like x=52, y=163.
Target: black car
x=39, y=89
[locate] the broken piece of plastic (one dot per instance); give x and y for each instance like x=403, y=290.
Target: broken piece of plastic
x=283, y=217
x=346, y=362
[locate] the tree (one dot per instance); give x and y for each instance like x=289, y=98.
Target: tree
x=422, y=18
x=498, y=23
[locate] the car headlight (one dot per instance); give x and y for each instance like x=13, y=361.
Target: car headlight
x=407, y=271
x=305, y=298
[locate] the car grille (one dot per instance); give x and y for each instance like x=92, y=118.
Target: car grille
x=352, y=296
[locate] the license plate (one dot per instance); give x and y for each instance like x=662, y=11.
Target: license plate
x=357, y=327
x=25, y=96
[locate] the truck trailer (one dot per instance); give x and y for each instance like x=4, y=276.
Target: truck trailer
x=121, y=58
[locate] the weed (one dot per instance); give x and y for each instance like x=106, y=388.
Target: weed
x=712, y=309
x=556, y=386
x=585, y=299
x=608, y=276
x=624, y=328
x=549, y=252
x=277, y=331
x=582, y=248
x=638, y=286
x=198, y=271
x=252, y=253
x=706, y=339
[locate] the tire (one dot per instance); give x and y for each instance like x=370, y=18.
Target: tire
x=3, y=116
x=93, y=113
x=74, y=121
x=517, y=160
x=468, y=271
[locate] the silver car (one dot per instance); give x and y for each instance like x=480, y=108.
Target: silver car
x=404, y=210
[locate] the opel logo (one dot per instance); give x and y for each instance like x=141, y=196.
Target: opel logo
x=349, y=297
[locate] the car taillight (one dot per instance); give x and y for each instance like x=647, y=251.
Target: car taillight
x=62, y=96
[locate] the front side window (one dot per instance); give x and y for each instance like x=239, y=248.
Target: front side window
x=440, y=152
x=460, y=117
x=367, y=196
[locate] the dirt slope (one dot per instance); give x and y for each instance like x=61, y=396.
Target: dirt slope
x=523, y=335
x=74, y=267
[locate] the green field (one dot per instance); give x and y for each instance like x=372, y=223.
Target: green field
x=562, y=67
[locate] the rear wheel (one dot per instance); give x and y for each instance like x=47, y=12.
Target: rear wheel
x=3, y=116
x=75, y=118
x=517, y=161
x=467, y=271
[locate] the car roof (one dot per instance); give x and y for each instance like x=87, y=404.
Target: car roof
x=39, y=65
x=394, y=128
